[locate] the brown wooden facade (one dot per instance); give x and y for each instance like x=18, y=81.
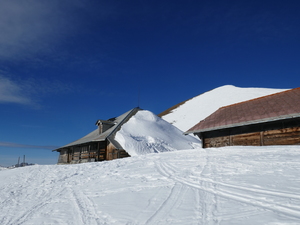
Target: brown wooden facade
x=269, y=120
x=91, y=152
x=285, y=132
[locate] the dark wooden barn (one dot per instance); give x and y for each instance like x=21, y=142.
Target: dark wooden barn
x=269, y=120
x=98, y=145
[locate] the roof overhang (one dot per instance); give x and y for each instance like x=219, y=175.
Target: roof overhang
x=84, y=143
x=252, y=122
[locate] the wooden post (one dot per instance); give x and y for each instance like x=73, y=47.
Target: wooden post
x=261, y=138
x=98, y=151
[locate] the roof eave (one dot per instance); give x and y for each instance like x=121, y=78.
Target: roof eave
x=272, y=119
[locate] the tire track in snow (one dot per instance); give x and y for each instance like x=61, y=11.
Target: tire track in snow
x=85, y=207
x=152, y=203
x=173, y=200
x=251, y=189
x=207, y=200
x=31, y=211
x=217, y=188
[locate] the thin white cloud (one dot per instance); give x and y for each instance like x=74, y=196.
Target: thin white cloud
x=36, y=27
x=11, y=92
x=31, y=91
x=16, y=145
x=24, y=27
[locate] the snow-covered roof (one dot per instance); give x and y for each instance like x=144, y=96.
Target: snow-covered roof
x=94, y=136
x=141, y=132
x=146, y=133
x=279, y=106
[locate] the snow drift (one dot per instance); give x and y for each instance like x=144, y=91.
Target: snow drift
x=198, y=108
x=147, y=133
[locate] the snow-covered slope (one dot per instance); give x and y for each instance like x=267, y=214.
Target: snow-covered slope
x=198, y=108
x=225, y=186
x=147, y=133
x=3, y=168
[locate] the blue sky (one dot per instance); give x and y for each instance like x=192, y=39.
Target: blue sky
x=66, y=63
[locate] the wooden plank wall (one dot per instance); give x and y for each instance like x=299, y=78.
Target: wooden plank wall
x=91, y=152
x=63, y=156
x=286, y=136
x=113, y=153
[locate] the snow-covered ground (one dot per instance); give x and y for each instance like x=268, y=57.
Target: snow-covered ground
x=198, y=108
x=232, y=185
x=2, y=168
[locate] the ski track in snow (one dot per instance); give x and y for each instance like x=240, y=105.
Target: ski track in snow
x=209, y=187
x=217, y=189
x=214, y=189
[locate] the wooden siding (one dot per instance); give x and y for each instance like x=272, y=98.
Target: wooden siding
x=246, y=139
x=216, y=142
x=113, y=153
x=63, y=156
x=91, y=152
x=285, y=136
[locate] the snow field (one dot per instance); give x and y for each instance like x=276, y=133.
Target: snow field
x=232, y=185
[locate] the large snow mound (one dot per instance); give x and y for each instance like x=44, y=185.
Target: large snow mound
x=226, y=186
x=146, y=133
x=198, y=108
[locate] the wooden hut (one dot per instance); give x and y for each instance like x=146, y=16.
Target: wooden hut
x=98, y=145
x=268, y=120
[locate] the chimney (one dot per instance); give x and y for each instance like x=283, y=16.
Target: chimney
x=104, y=125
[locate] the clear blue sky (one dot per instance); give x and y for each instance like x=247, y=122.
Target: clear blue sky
x=66, y=63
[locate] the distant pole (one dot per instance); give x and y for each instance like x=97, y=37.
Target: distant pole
x=18, y=161
x=24, y=160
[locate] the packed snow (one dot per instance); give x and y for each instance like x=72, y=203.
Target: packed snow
x=146, y=133
x=230, y=185
x=2, y=168
x=198, y=108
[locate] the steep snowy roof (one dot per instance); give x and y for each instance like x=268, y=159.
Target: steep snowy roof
x=273, y=107
x=94, y=136
x=146, y=133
